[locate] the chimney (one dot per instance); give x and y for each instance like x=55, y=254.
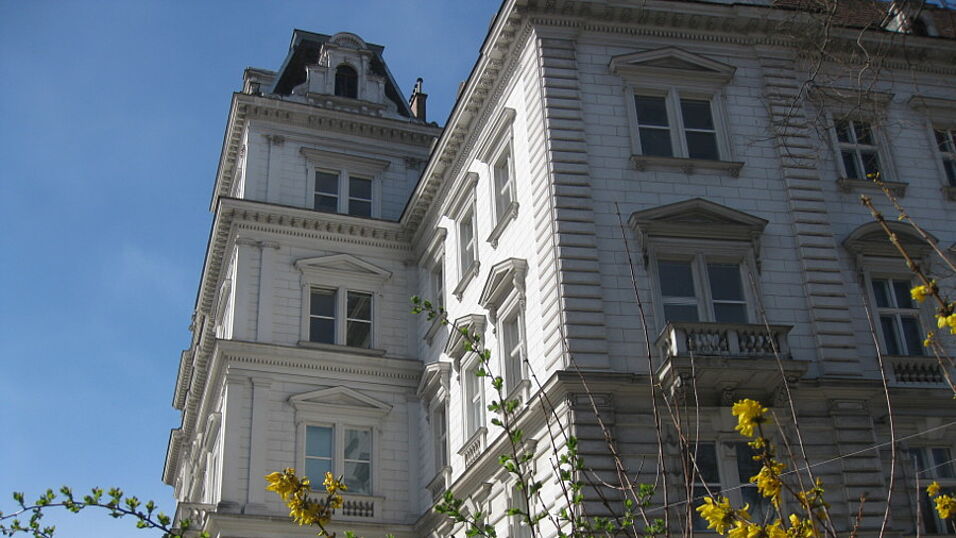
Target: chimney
x=417, y=101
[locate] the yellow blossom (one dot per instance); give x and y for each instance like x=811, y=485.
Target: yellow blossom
x=945, y=506
x=745, y=529
x=933, y=489
x=775, y=530
x=720, y=515
x=944, y=321
x=749, y=413
x=332, y=484
x=285, y=483
x=921, y=292
x=928, y=341
x=801, y=528
x=768, y=481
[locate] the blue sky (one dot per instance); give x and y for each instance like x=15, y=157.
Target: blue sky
x=111, y=122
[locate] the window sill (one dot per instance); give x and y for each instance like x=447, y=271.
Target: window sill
x=520, y=392
x=912, y=370
x=950, y=193
x=342, y=349
x=688, y=166
x=466, y=279
x=436, y=486
x=847, y=184
x=433, y=329
x=474, y=446
x=509, y=214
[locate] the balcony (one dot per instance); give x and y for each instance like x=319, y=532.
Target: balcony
x=359, y=508
x=916, y=370
x=718, y=359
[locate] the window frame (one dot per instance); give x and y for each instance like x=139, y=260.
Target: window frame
x=497, y=143
x=673, y=98
x=877, y=146
x=346, y=167
x=895, y=311
x=341, y=318
x=947, y=155
x=730, y=483
x=473, y=398
x=463, y=209
x=925, y=478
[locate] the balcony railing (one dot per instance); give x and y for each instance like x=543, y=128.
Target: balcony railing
x=731, y=340
x=196, y=514
x=916, y=370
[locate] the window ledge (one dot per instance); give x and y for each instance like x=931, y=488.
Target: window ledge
x=847, y=184
x=509, y=214
x=433, y=329
x=950, y=192
x=520, y=392
x=466, y=279
x=342, y=349
x=686, y=165
x=474, y=446
x=436, y=486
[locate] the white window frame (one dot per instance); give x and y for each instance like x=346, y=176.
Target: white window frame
x=926, y=477
x=729, y=482
x=675, y=118
x=463, y=210
x=855, y=147
x=441, y=447
x=496, y=146
x=699, y=253
x=473, y=397
x=946, y=154
x=342, y=273
x=345, y=166
x=894, y=311
x=939, y=114
x=513, y=358
x=518, y=525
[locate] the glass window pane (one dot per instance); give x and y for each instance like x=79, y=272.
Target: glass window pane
x=322, y=303
x=358, y=208
x=656, y=142
x=901, y=292
x=849, y=165
x=871, y=162
x=651, y=110
x=358, y=334
x=881, y=293
x=316, y=469
x=702, y=146
x=730, y=313
x=675, y=312
x=326, y=203
x=318, y=442
x=863, y=133
x=707, y=463
x=746, y=466
x=912, y=335
x=322, y=330
x=677, y=279
x=889, y=335
x=942, y=141
x=759, y=505
x=917, y=455
x=326, y=182
x=725, y=281
x=359, y=306
x=942, y=459
x=842, y=130
x=358, y=477
x=358, y=445
x=950, y=167
x=360, y=187
x=696, y=114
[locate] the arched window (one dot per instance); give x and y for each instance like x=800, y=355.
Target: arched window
x=346, y=81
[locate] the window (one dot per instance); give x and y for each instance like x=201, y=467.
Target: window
x=354, y=200
x=496, y=150
x=519, y=523
x=946, y=142
x=728, y=475
x=346, y=81
x=503, y=173
x=351, y=457
x=344, y=183
x=899, y=325
x=503, y=295
x=439, y=423
x=934, y=464
x=474, y=400
x=466, y=241
x=323, y=312
x=512, y=350
x=672, y=125
x=857, y=145
x=437, y=284
x=702, y=289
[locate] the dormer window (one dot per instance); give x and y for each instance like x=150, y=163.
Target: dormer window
x=346, y=81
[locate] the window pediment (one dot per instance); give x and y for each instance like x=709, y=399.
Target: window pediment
x=871, y=240
x=337, y=401
x=455, y=346
x=435, y=381
x=341, y=265
x=354, y=163
x=503, y=278
x=671, y=62
x=698, y=219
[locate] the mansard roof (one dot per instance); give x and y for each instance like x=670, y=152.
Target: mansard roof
x=304, y=50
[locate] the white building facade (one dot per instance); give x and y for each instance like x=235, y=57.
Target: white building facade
x=661, y=150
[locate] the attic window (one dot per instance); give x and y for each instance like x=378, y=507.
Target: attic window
x=346, y=81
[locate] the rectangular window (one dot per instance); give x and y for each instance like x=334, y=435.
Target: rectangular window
x=440, y=436
x=319, y=441
x=322, y=315
x=466, y=240
x=672, y=125
x=512, y=352
x=859, y=153
x=701, y=290
x=358, y=324
x=358, y=461
x=503, y=172
x=360, y=196
x=934, y=464
x=438, y=284
x=946, y=142
x=326, y=191
x=728, y=477
x=475, y=409
x=899, y=318
x=706, y=479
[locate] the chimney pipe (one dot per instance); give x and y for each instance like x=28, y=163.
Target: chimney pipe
x=417, y=101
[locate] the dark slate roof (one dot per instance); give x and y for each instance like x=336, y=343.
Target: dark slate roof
x=304, y=51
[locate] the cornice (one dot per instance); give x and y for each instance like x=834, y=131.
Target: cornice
x=247, y=107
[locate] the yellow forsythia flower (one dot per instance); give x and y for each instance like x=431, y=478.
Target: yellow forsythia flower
x=745, y=529
x=749, y=413
x=928, y=341
x=333, y=485
x=768, y=481
x=945, y=506
x=947, y=321
x=921, y=292
x=775, y=530
x=801, y=528
x=719, y=514
x=933, y=489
